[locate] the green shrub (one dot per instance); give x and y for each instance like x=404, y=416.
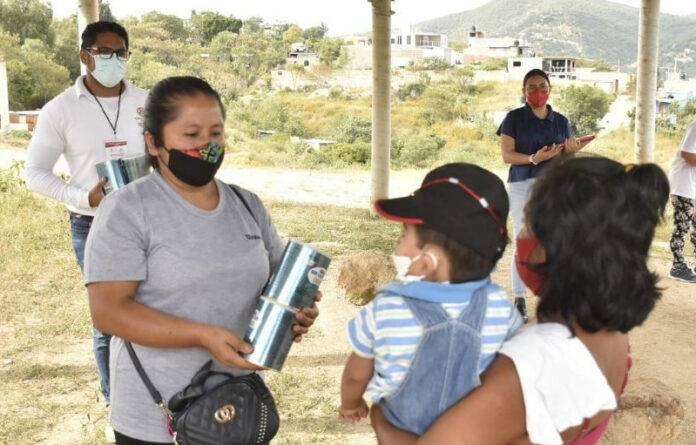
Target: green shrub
x=11, y=179
x=350, y=153
x=435, y=64
x=412, y=90
x=584, y=106
x=420, y=150
x=350, y=129
x=494, y=64
x=443, y=104
x=21, y=134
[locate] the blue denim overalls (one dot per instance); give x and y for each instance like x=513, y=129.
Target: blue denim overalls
x=444, y=367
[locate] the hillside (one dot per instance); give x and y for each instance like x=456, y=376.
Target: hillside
x=590, y=28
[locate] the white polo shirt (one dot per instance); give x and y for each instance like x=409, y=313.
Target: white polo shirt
x=73, y=125
x=682, y=176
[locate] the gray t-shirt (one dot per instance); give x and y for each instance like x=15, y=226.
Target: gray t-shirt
x=207, y=266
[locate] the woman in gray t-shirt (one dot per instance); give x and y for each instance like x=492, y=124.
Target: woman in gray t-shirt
x=175, y=262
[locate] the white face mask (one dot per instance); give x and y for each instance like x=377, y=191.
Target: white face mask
x=108, y=72
x=403, y=265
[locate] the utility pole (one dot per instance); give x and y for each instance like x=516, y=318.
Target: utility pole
x=646, y=85
x=381, y=98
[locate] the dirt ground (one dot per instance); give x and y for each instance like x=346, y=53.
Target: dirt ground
x=664, y=348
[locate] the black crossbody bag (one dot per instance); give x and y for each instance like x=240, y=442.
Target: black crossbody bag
x=236, y=410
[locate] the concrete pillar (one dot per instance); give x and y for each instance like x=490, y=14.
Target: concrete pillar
x=4, y=101
x=646, y=85
x=87, y=12
x=381, y=98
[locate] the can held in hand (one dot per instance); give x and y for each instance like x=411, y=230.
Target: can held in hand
x=292, y=287
x=120, y=172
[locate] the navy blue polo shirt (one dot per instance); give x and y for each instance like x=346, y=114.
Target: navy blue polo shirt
x=531, y=134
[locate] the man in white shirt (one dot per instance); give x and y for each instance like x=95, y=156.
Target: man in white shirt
x=682, y=182
x=98, y=118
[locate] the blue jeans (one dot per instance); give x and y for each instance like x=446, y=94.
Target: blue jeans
x=519, y=194
x=79, y=229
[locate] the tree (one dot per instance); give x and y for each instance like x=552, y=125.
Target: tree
x=172, y=24
x=9, y=46
x=247, y=56
x=329, y=49
x=463, y=78
x=145, y=70
x=66, y=47
x=292, y=35
x=34, y=80
x=206, y=25
x=584, y=106
x=105, y=12
x=315, y=32
x=27, y=19
x=295, y=70
x=152, y=38
x=253, y=25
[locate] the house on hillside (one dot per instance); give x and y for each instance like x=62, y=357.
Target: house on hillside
x=481, y=47
x=666, y=98
x=563, y=71
x=300, y=55
x=415, y=40
x=560, y=67
x=517, y=67
x=407, y=48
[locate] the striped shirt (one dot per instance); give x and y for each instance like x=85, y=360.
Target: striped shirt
x=387, y=331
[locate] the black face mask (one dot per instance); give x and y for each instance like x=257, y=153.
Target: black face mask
x=199, y=168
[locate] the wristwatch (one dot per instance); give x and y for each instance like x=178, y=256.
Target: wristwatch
x=531, y=159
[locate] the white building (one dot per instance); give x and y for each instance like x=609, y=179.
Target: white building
x=482, y=47
x=418, y=40
x=407, y=48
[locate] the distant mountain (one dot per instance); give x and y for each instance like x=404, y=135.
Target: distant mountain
x=589, y=28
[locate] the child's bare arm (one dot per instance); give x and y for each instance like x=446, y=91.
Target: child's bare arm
x=356, y=375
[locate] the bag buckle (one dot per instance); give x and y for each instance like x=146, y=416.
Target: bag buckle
x=168, y=421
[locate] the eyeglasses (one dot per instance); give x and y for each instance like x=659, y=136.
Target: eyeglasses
x=481, y=200
x=104, y=52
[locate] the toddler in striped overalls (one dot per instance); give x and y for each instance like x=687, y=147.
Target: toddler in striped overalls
x=422, y=343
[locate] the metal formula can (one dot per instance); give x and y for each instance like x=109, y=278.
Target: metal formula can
x=135, y=167
x=112, y=170
x=292, y=287
x=298, y=276
x=122, y=171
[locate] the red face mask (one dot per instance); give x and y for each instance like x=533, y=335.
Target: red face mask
x=531, y=278
x=538, y=98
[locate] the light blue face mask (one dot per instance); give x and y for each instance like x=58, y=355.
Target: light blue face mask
x=108, y=72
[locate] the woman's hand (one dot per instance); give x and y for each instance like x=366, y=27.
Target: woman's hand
x=306, y=318
x=572, y=145
x=227, y=348
x=355, y=413
x=547, y=152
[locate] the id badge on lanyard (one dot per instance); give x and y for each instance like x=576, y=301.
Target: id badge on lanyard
x=115, y=149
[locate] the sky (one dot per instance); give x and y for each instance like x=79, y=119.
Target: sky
x=342, y=17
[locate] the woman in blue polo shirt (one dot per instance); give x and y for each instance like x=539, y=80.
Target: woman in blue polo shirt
x=530, y=136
